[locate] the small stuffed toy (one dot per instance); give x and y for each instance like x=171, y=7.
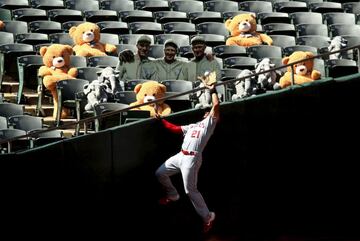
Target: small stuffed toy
x=56, y=59
x=204, y=96
x=149, y=91
x=303, y=71
x=243, y=31
x=86, y=37
x=109, y=76
x=244, y=87
x=96, y=92
x=336, y=44
x=2, y=25
x=267, y=80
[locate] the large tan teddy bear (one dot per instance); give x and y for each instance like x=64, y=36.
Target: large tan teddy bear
x=243, y=31
x=149, y=91
x=303, y=71
x=56, y=59
x=86, y=37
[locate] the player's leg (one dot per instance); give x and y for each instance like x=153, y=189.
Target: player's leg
x=163, y=173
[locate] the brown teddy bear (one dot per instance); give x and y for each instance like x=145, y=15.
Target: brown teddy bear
x=56, y=59
x=149, y=91
x=86, y=37
x=243, y=31
x=303, y=71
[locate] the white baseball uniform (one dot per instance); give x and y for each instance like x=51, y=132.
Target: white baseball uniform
x=188, y=162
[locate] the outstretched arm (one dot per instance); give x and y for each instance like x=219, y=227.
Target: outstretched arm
x=214, y=112
x=170, y=126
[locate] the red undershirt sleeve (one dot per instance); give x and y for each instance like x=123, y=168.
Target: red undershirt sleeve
x=171, y=127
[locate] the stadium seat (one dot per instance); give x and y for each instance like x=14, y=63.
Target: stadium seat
x=272, y=17
x=95, y=16
x=170, y=16
x=264, y=51
x=109, y=121
x=289, y=50
x=316, y=41
x=6, y=38
x=186, y=52
x=46, y=27
x=109, y=38
x=344, y=29
x=240, y=62
x=26, y=122
x=184, y=6
x=256, y=6
x=19, y=144
x=205, y=16
x=213, y=40
x=177, y=85
x=231, y=14
x=341, y=67
x=82, y=5
x=11, y=4
x=114, y=27
x=5, y=14
x=61, y=38
x=146, y=28
x=180, y=39
x=40, y=138
x=220, y=6
x=88, y=73
x=67, y=25
x=117, y=5
x=180, y=28
x=339, y=18
x=32, y=38
x=29, y=14
x=153, y=5
x=121, y=47
x=15, y=27
x=3, y=122
x=28, y=66
x=325, y=7
x=229, y=73
x=352, y=7
x=64, y=15
x=10, y=109
x=311, y=29
x=290, y=7
x=136, y=16
x=283, y=40
x=125, y=97
x=102, y=61
x=353, y=40
x=132, y=38
x=279, y=29
x=156, y=51
x=130, y=85
x=306, y=17
x=66, y=90
x=8, y=57
x=47, y=4
x=225, y=51
x=212, y=28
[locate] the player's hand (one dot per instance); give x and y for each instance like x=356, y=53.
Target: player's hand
x=126, y=56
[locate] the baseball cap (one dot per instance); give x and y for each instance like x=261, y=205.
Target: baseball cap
x=171, y=43
x=144, y=38
x=197, y=39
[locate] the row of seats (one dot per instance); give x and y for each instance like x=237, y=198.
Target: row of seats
x=182, y=6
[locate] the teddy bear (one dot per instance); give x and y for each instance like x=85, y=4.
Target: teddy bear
x=56, y=59
x=242, y=28
x=86, y=37
x=149, y=91
x=303, y=71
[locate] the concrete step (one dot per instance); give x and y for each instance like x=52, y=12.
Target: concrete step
x=47, y=110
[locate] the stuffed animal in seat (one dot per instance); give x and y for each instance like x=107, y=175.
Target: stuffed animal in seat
x=2, y=24
x=303, y=71
x=96, y=92
x=243, y=31
x=337, y=43
x=86, y=37
x=56, y=59
x=149, y=91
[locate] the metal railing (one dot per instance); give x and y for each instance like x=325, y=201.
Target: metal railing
x=226, y=82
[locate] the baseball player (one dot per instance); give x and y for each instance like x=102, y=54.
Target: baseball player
x=189, y=159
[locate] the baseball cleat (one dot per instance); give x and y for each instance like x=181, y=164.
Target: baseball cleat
x=209, y=224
